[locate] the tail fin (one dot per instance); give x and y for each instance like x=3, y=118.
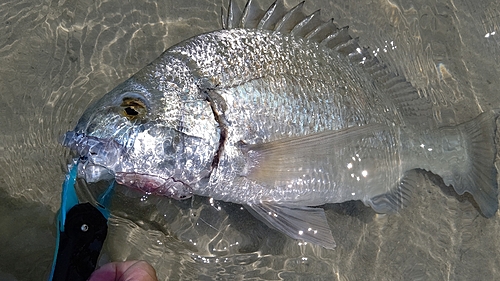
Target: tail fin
x=481, y=178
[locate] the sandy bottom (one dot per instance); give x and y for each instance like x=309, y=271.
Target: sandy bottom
x=56, y=57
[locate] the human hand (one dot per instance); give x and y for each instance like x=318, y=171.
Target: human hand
x=125, y=271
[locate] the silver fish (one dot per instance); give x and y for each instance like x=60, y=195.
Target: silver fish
x=279, y=111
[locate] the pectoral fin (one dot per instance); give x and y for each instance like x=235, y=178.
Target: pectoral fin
x=302, y=223
x=285, y=160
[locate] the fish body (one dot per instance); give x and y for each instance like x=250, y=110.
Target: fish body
x=279, y=111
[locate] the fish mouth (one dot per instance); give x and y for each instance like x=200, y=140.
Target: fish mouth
x=104, y=159
x=98, y=157
x=102, y=152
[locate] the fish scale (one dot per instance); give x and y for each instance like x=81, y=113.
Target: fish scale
x=280, y=111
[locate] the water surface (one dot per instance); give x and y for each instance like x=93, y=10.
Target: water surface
x=57, y=57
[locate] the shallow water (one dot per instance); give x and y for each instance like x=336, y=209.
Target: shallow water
x=58, y=56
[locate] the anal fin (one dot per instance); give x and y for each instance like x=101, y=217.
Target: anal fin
x=397, y=198
x=303, y=223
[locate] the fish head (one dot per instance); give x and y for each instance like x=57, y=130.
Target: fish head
x=159, y=141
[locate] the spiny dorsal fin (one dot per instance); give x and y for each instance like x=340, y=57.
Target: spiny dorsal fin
x=273, y=16
x=307, y=25
x=233, y=16
x=321, y=32
x=252, y=15
x=291, y=18
x=296, y=22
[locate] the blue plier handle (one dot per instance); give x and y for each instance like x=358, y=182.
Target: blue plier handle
x=81, y=231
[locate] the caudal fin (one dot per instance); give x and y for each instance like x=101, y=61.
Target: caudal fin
x=480, y=179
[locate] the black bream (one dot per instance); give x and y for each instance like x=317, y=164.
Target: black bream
x=279, y=111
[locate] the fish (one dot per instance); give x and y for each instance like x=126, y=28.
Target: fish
x=282, y=112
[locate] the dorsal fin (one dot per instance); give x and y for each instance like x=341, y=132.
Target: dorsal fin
x=296, y=22
x=291, y=18
x=252, y=15
x=307, y=25
x=273, y=16
x=321, y=32
x=339, y=36
x=233, y=18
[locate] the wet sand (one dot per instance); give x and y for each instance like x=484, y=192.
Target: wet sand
x=57, y=57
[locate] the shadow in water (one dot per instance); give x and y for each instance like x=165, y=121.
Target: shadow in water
x=27, y=238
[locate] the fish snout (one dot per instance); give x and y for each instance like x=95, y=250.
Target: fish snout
x=98, y=156
x=92, y=147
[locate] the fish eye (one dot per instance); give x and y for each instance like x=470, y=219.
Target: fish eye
x=133, y=108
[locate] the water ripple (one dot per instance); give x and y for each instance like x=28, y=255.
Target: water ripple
x=59, y=56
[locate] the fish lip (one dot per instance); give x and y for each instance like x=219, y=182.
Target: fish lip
x=94, y=173
x=98, y=157
x=85, y=145
x=153, y=184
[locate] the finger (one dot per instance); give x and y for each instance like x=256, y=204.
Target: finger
x=125, y=271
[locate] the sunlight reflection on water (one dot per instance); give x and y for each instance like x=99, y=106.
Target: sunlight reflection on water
x=59, y=56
